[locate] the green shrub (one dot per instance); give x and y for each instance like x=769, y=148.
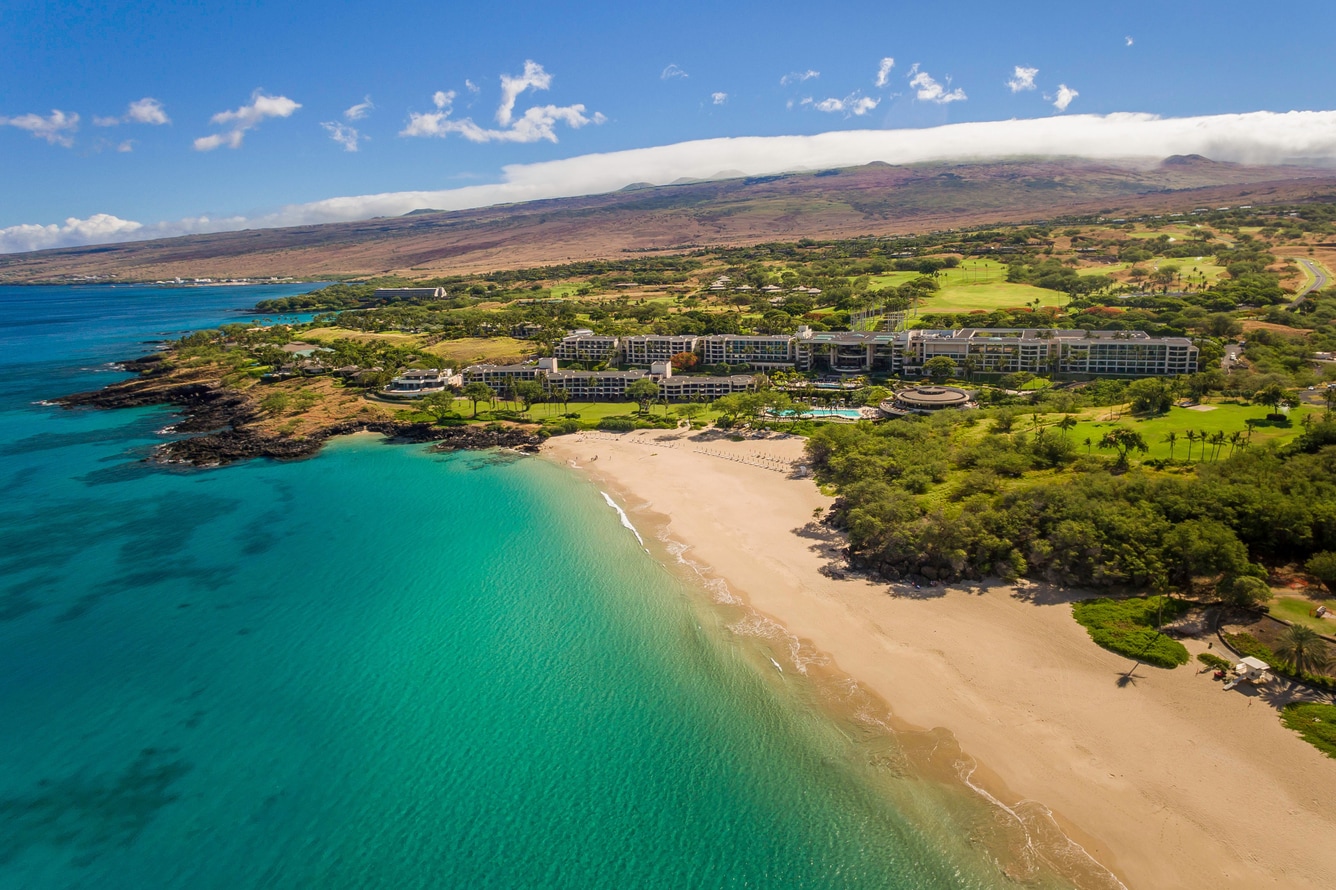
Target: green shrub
x=1246, y=644
x=1315, y=722
x=621, y=424
x=1214, y=662
x=1128, y=627
x=563, y=427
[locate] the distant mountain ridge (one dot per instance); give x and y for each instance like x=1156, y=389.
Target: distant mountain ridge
x=876, y=199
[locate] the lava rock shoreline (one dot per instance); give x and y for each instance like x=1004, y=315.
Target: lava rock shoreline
x=223, y=420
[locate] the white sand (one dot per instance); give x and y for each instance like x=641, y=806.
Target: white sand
x=1165, y=779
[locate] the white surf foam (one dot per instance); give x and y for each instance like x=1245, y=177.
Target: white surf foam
x=621, y=514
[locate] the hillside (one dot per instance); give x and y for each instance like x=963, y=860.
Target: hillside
x=876, y=199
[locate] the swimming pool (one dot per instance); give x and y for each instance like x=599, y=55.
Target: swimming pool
x=846, y=413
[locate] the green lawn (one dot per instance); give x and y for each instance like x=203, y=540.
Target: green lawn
x=590, y=412
x=1299, y=609
x=974, y=284
x=1221, y=418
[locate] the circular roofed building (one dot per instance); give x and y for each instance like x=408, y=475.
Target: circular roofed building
x=927, y=399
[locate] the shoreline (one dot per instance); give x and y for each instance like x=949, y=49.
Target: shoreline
x=1157, y=776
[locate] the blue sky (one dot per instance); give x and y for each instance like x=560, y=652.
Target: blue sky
x=238, y=105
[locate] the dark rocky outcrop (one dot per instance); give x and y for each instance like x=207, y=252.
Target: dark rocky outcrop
x=225, y=420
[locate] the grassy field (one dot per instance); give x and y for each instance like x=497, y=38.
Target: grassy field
x=1221, y=418
x=1299, y=610
x=977, y=284
x=590, y=412
x=471, y=350
x=322, y=335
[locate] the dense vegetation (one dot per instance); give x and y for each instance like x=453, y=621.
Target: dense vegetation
x=957, y=495
x=1315, y=722
x=1129, y=627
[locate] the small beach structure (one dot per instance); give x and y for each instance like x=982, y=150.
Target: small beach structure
x=1250, y=670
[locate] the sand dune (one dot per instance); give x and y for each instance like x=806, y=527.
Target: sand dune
x=1165, y=779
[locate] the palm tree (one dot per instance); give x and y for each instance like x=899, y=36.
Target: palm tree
x=1066, y=423
x=1088, y=443
x=1235, y=440
x=1172, y=439
x=1191, y=436
x=1303, y=648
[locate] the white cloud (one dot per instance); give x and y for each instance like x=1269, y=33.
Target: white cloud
x=126, y=147
x=538, y=122
x=58, y=128
x=673, y=70
x=359, y=111
x=1065, y=96
x=853, y=104
x=719, y=98
x=884, y=71
x=1261, y=137
x=798, y=77
x=98, y=228
x=534, y=77
x=929, y=90
x=343, y=134
x=1128, y=40
x=472, y=87
x=1022, y=79
x=145, y=111
x=245, y=118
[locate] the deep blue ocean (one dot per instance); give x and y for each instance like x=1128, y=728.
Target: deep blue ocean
x=384, y=667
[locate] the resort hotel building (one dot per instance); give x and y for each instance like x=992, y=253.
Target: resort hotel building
x=983, y=350
x=609, y=386
x=1075, y=353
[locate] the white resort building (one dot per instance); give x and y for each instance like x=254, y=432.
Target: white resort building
x=421, y=382
x=609, y=386
x=410, y=293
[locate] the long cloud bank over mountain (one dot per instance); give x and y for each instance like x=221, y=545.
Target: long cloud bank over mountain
x=1262, y=137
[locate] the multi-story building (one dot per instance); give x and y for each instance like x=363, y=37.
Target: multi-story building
x=1045, y=351
x=998, y=351
x=499, y=376
x=757, y=351
x=700, y=388
x=592, y=386
x=609, y=386
x=649, y=348
x=410, y=293
x=586, y=346
x=849, y=352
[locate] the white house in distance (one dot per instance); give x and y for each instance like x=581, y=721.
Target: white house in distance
x=422, y=381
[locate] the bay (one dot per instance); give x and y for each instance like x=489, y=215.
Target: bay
x=384, y=667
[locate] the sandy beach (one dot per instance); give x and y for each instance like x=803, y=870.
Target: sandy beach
x=1163, y=778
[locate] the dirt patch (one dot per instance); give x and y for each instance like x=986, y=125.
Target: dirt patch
x=1252, y=324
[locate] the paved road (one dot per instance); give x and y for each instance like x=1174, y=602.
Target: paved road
x=1319, y=282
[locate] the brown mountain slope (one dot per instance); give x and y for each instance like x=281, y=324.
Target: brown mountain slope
x=876, y=199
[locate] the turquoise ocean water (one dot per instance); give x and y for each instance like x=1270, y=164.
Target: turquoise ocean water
x=384, y=667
